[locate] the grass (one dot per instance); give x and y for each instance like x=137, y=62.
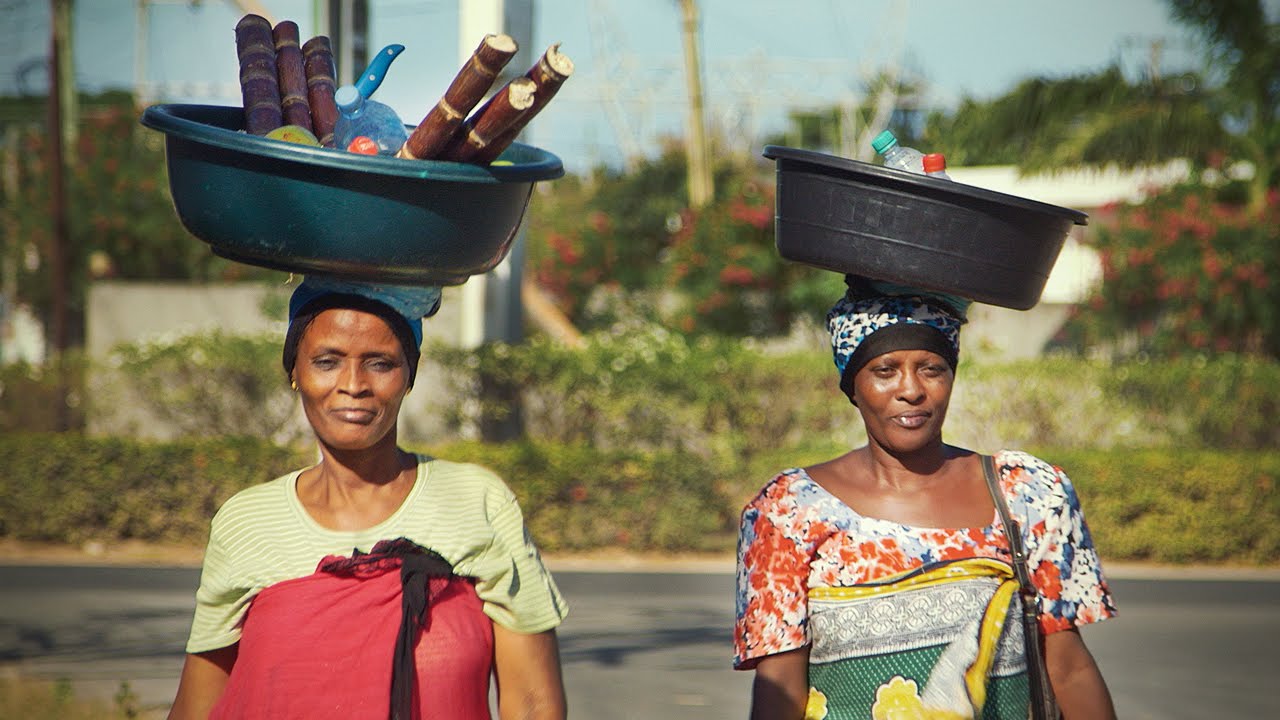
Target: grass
x=33, y=699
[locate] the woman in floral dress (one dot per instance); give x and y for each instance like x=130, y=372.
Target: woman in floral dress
x=879, y=584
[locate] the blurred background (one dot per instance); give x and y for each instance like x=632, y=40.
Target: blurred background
x=645, y=322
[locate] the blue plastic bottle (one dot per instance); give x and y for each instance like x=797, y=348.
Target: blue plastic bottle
x=360, y=117
x=897, y=156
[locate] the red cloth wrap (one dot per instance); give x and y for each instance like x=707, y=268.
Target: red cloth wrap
x=321, y=646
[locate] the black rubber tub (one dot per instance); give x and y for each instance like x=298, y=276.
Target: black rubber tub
x=933, y=234
x=316, y=210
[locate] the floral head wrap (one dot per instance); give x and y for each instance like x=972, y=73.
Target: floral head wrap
x=866, y=323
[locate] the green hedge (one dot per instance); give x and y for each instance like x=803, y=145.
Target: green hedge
x=643, y=387
x=70, y=488
x=1169, y=506
x=1180, y=506
x=646, y=387
x=575, y=498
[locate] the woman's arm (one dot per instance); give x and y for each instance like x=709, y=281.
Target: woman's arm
x=1077, y=683
x=528, y=667
x=781, y=687
x=204, y=675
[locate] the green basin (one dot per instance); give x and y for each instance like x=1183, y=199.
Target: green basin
x=316, y=210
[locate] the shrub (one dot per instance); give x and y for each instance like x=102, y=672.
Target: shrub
x=29, y=395
x=1179, y=506
x=640, y=386
x=201, y=385
x=71, y=489
x=1229, y=401
x=577, y=498
x=1174, y=506
x=1188, y=272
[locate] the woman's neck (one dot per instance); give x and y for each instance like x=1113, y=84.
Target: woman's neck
x=375, y=466
x=907, y=469
x=356, y=490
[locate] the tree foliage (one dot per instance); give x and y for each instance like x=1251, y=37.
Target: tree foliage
x=627, y=244
x=121, y=220
x=1092, y=119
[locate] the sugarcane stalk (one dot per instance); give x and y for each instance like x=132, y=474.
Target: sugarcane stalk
x=548, y=74
x=291, y=76
x=321, y=74
x=475, y=78
x=506, y=107
x=259, y=86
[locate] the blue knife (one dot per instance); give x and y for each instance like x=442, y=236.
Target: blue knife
x=373, y=75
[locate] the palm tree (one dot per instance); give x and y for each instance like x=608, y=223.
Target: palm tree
x=1103, y=118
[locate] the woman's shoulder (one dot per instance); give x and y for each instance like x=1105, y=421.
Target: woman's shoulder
x=1027, y=475
x=1009, y=461
x=781, y=484
x=264, y=494
x=790, y=493
x=463, y=480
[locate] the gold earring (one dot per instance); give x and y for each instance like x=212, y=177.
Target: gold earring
x=294, y=384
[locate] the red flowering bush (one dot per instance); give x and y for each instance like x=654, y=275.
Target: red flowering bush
x=722, y=263
x=1188, y=273
x=713, y=270
x=602, y=232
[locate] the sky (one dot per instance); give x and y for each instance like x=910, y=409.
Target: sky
x=761, y=58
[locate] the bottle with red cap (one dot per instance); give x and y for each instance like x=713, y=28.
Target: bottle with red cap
x=935, y=165
x=361, y=121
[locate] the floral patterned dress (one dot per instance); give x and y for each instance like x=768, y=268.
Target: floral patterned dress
x=904, y=621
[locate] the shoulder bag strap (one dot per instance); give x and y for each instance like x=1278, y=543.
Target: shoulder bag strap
x=1043, y=706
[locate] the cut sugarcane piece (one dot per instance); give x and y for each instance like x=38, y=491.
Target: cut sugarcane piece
x=475, y=78
x=291, y=76
x=259, y=86
x=317, y=56
x=511, y=103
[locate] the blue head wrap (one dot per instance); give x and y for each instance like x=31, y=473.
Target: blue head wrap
x=402, y=307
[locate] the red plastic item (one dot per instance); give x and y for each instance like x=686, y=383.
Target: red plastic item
x=934, y=162
x=363, y=145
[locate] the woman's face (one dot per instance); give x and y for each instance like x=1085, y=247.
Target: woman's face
x=903, y=397
x=352, y=376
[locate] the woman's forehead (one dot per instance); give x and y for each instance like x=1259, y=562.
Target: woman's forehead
x=350, y=323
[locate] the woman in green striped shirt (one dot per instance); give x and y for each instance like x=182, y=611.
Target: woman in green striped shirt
x=375, y=568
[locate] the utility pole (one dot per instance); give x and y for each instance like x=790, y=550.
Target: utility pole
x=701, y=187
x=10, y=254
x=59, y=37
x=491, y=309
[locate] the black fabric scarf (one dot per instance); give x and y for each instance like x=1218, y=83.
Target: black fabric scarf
x=417, y=566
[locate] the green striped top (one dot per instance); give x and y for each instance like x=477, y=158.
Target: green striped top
x=263, y=535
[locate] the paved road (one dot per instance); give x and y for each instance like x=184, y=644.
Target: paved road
x=656, y=645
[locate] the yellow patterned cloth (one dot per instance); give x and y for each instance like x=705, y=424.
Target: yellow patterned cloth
x=930, y=644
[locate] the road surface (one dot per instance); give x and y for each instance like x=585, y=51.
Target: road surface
x=657, y=644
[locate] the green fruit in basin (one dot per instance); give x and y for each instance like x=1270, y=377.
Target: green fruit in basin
x=294, y=134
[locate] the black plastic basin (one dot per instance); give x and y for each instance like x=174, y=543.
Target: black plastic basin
x=924, y=232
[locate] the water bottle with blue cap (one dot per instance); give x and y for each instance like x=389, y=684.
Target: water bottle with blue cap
x=369, y=119
x=365, y=125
